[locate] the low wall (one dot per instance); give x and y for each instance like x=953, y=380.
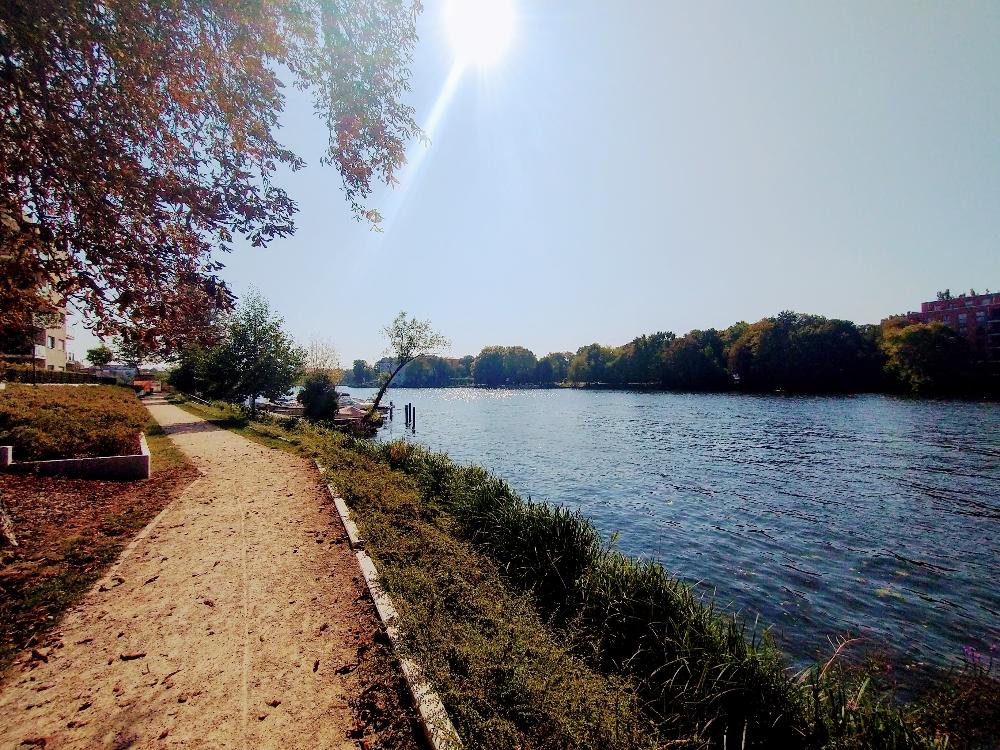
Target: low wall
x=104, y=467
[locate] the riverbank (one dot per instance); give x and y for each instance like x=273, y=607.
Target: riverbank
x=482, y=575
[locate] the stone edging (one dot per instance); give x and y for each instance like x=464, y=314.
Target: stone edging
x=437, y=726
x=135, y=466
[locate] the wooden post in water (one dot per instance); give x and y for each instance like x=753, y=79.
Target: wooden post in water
x=413, y=419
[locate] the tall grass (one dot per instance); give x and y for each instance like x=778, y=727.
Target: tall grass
x=701, y=673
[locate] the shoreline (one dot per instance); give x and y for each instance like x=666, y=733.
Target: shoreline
x=431, y=474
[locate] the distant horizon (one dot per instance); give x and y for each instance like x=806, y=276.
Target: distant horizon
x=451, y=353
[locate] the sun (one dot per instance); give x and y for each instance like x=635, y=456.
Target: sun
x=479, y=30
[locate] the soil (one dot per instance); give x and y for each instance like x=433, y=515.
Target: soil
x=236, y=618
x=68, y=531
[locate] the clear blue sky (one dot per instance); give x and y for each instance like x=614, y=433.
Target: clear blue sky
x=642, y=166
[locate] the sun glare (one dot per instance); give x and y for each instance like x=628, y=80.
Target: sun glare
x=479, y=30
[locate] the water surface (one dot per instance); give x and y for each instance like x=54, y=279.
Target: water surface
x=865, y=516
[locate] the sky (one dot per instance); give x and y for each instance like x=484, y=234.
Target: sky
x=631, y=167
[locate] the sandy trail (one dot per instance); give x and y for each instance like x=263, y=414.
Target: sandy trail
x=234, y=620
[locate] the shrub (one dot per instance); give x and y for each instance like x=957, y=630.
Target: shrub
x=48, y=422
x=318, y=396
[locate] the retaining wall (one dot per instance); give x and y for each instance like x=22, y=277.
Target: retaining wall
x=105, y=467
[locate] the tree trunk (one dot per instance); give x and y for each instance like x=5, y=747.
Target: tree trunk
x=385, y=386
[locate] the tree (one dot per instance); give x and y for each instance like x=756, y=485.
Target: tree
x=427, y=372
x=519, y=365
x=139, y=141
x=132, y=351
x=639, y=361
x=257, y=358
x=552, y=368
x=188, y=373
x=321, y=356
x=759, y=358
x=487, y=368
x=408, y=339
x=590, y=365
x=695, y=362
x=361, y=373
x=925, y=357
x=100, y=356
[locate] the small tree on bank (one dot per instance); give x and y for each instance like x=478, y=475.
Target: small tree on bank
x=408, y=339
x=318, y=395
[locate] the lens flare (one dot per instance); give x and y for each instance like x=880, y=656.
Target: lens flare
x=480, y=30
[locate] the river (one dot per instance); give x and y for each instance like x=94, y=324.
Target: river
x=866, y=516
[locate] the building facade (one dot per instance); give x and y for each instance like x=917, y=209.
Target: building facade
x=975, y=317
x=49, y=345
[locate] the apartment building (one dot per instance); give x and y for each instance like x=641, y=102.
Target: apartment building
x=49, y=345
x=976, y=317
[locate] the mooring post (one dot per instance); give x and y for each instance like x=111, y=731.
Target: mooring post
x=413, y=419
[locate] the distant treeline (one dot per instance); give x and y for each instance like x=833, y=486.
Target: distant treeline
x=790, y=352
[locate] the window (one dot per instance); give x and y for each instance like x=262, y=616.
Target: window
x=980, y=316
x=52, y=342
x=62, y=344
x=962, y=317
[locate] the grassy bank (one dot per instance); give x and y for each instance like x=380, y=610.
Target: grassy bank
x=538, y=635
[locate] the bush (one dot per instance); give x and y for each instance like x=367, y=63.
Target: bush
x=318, y=396
x=49, y=422
x=26, y=374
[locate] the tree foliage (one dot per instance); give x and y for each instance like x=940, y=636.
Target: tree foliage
x=321, y=356
x=926, y=358
x=590, y=365
x=138, y=142
x=255, y=359
x=505, y=365
x=100, y=356
x=409, y=338
x=318, y=395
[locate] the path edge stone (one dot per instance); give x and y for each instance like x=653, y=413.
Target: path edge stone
x=434, y=719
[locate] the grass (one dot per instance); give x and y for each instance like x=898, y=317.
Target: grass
x=539, y=635
x=49, y=422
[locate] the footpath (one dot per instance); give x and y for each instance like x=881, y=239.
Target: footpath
x=236, y=619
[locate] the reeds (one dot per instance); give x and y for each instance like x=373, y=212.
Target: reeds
x=699, y=672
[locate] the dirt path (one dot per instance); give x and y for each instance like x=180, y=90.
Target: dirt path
x=235, y=620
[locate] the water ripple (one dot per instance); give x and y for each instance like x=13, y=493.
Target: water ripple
x=865, y=515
